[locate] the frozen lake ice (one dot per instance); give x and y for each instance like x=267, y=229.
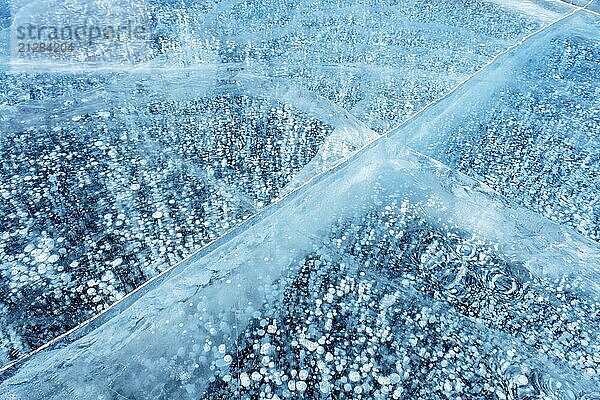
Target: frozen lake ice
x=305, y=200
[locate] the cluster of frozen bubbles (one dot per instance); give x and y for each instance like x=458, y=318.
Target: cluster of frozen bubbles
x=101, y=208
x=390, y=307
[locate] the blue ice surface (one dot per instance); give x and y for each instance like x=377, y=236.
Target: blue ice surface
x=594, y=6
x=390, y=235
x=5, y=21
x=334, y=236
x=149, y=139
x=246, y=274
x=529, y=127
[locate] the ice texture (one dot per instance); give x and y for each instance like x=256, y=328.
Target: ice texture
x=529, y=127
x=127, y=174
x=107, y=192
x=383, y=60
x=402, y=238
x=225, y=221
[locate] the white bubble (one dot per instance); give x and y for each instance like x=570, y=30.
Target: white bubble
x=324, y=387
x=244, y=379
x=521, y=380
x=265, y=348
x=256, y=376
x=301, y=386
x=42, y=256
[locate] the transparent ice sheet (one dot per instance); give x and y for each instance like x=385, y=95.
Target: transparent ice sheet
x=459, y=240
x=528, y=126
x=161, y=331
